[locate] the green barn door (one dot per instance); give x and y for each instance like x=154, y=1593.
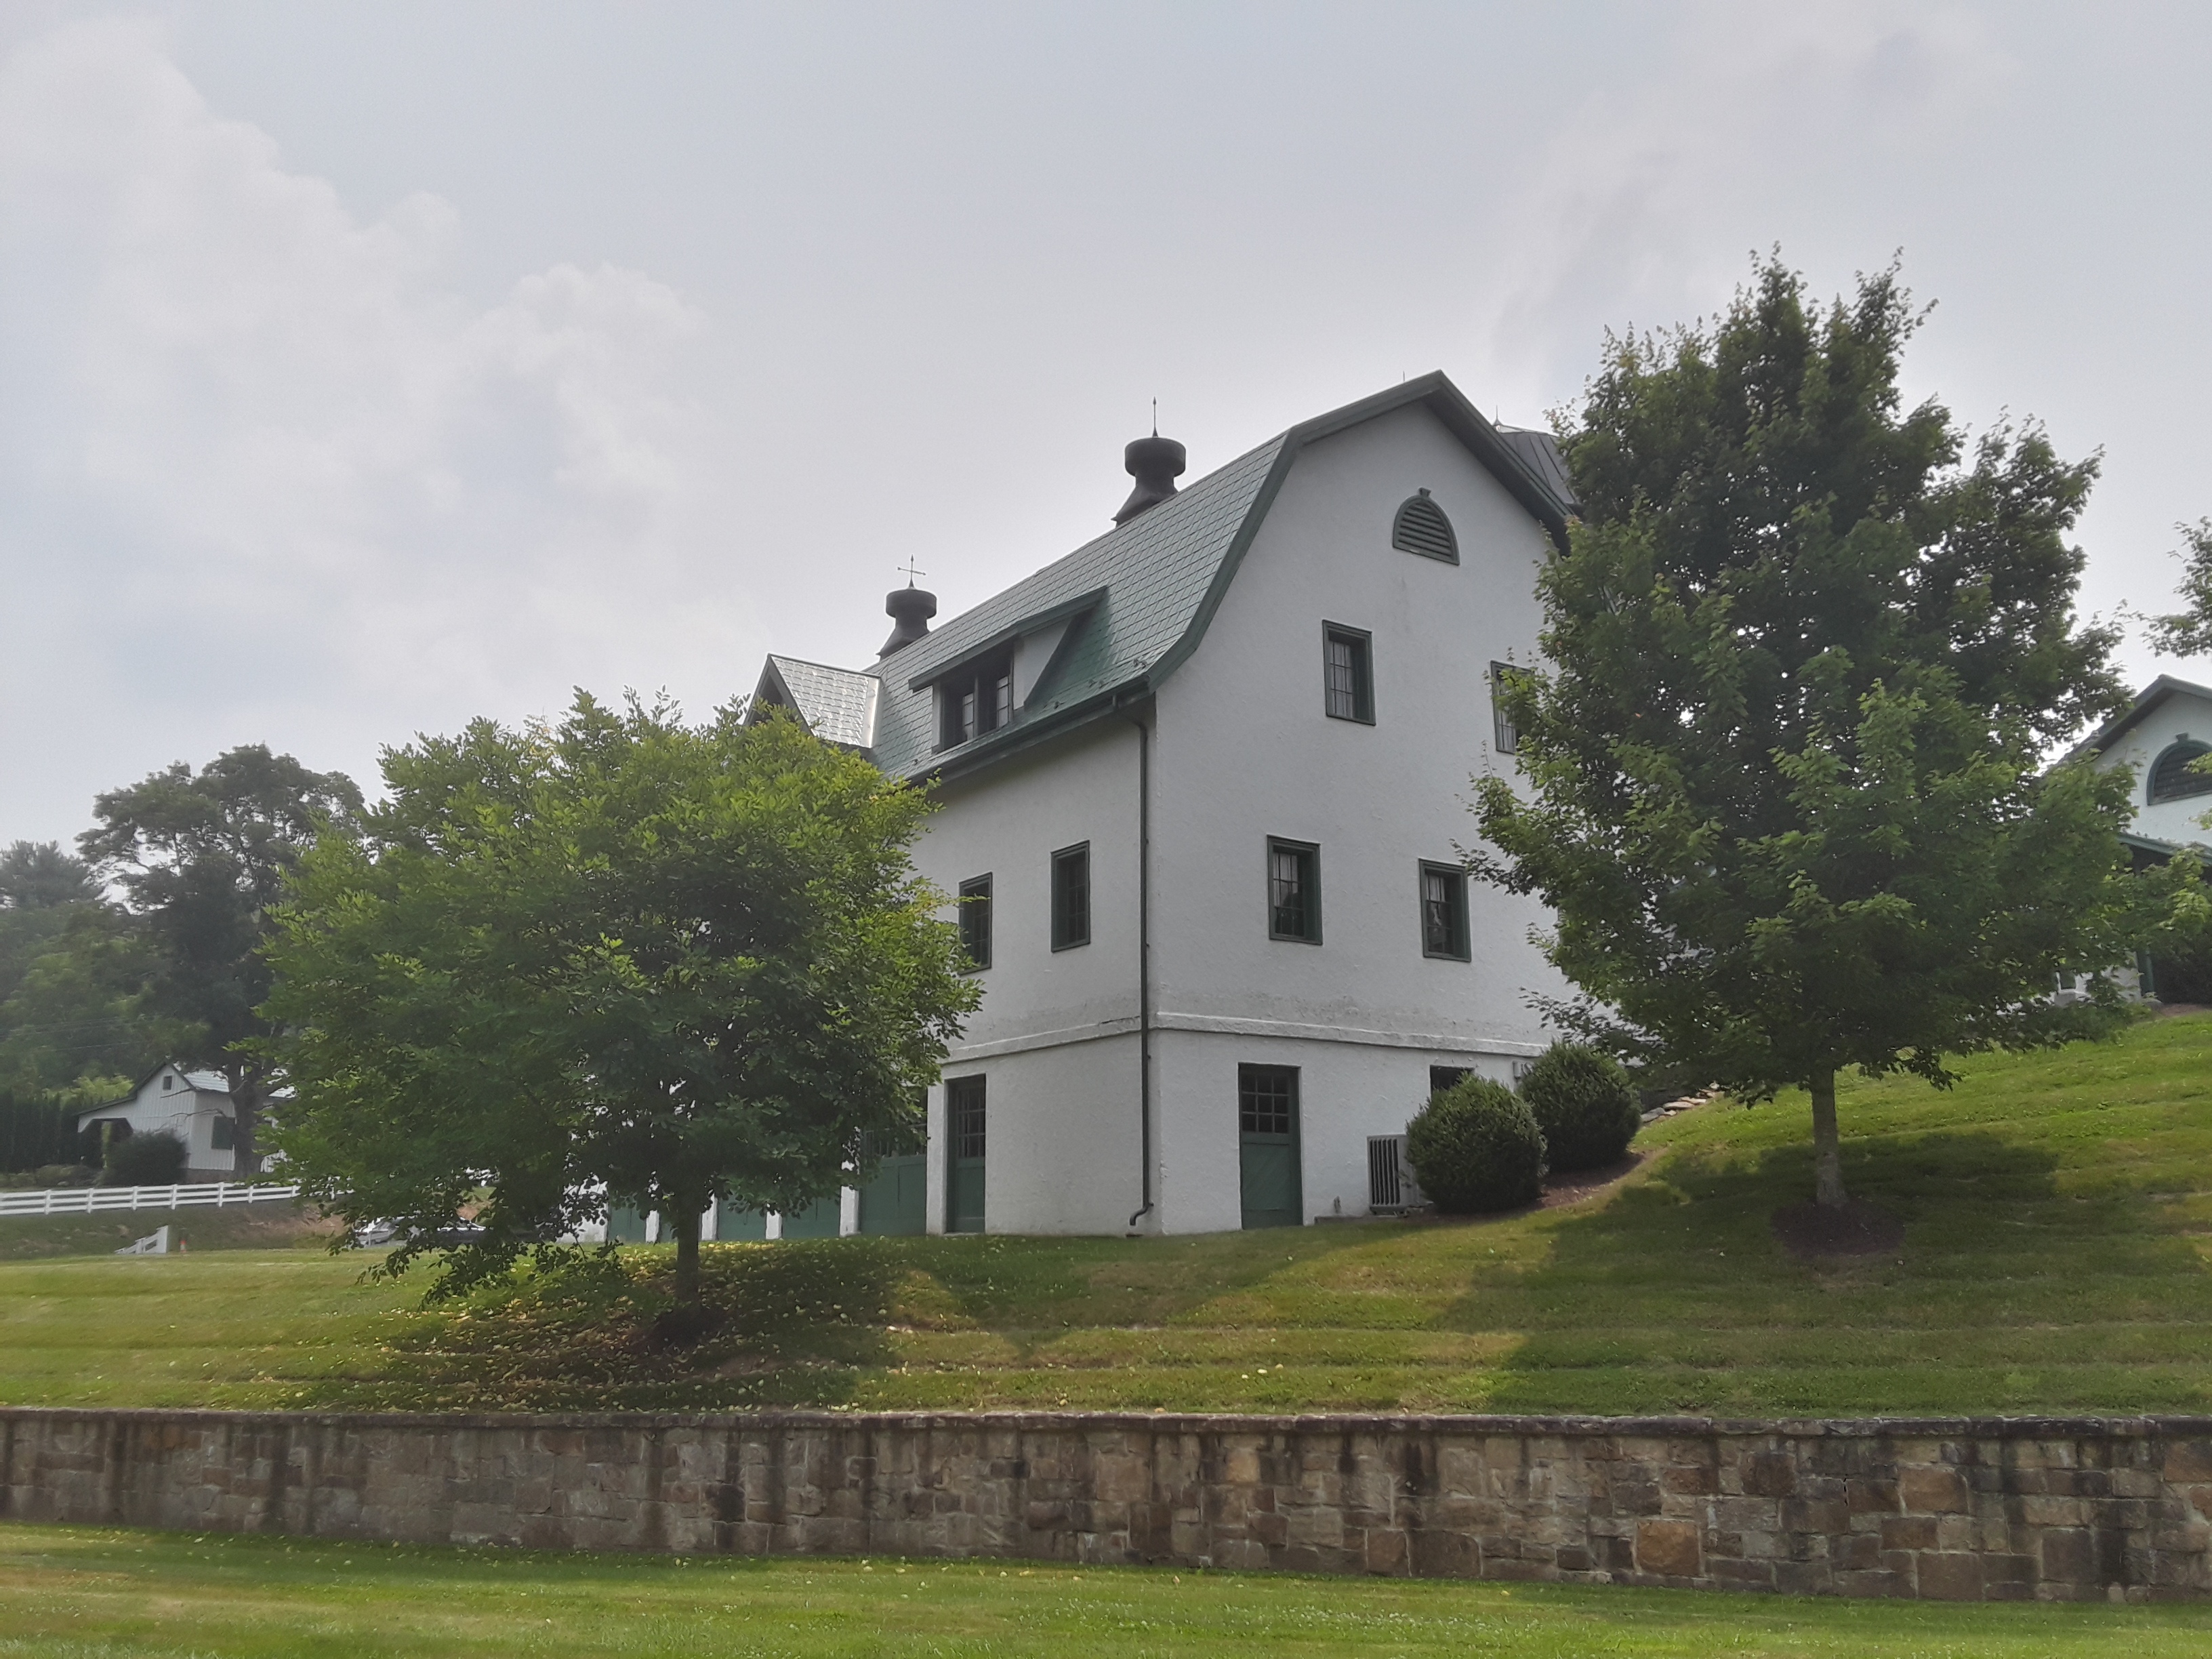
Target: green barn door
x=1267, y=1145
x=735, y=1225
x=963, y=1144
x=819, y=1219
x=897, y=1199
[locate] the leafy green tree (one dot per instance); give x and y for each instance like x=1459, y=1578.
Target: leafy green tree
x=71, y=970
x=2188, y=632
x=202, y=858
x=1784, y=787
x=624, y=959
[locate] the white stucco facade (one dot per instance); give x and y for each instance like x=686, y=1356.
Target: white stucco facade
x=1221, y=745
x=2167, y=722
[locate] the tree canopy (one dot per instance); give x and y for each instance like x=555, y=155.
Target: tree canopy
x=201, y=858
x=72, y=968
x=622, y=958
x=2188, y=632
x=1784, y=761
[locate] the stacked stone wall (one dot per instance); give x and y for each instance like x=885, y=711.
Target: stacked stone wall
x=1985, y=1509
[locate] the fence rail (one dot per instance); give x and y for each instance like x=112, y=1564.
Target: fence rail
x=87, y=1201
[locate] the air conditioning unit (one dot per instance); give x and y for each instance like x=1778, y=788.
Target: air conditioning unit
x=1391, y=1188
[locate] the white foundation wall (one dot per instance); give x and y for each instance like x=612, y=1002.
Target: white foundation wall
x=1062, y=1142
x=1347, y=1092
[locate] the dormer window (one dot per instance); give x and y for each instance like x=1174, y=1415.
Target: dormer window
x=1422, y=528
x=977, y=699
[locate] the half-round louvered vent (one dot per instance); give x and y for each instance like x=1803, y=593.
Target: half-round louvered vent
x=1422, y=528
x=2171, y=778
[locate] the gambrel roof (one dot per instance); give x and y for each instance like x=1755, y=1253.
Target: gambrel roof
x=1131, y=606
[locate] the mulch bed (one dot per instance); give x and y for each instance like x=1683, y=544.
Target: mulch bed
x=1809, y=1231
x=1559, y=1189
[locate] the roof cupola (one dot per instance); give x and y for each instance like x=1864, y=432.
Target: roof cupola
x=1155, y=463
x=910, y=608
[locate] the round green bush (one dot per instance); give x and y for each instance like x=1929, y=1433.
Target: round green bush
x=150, y=1160
x=1584, y=1104
x=1475, y=1147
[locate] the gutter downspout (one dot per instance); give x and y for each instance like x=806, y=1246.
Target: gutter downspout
x=1144, y=956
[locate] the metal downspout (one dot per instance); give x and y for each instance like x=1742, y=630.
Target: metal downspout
x=1144, y=956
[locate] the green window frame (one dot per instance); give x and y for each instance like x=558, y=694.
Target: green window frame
x=975, y=922
x=1293, y=890
x=1444, y=912
x=1347, y=673
x=1504, y=736
x=976, y=700
x=1071, y=896
x=965, y=1154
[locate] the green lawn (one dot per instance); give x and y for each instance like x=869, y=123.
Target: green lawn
x=80, y=1594
x=2058, y=1211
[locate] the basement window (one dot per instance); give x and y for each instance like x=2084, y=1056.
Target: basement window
x=976, y=700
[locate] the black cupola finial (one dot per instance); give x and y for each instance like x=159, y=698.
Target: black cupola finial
x=910, y=608
x=1155, y=463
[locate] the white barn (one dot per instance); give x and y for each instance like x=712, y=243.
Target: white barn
x=193, y=1106
x=1202, y=783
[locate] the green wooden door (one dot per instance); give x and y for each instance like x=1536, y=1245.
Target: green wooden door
x=732, y=1224
x=1267, y=1145
x=817, y=1220
x=897, y=1199
x=625, y=1223
x=963, y=1144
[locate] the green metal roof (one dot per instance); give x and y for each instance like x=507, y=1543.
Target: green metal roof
x=1155, y=583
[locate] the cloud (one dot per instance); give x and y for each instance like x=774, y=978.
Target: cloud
x=300, y=480
x=1805, y=125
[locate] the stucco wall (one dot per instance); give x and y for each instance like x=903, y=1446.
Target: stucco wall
x=1951, y=1509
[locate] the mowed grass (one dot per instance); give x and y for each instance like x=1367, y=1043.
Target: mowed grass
x=2057, y=1213
x=80, y=1594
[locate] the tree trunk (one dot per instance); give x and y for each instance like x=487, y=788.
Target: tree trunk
x=1828, y=1155
x=245, y=1119
x=685, y=1220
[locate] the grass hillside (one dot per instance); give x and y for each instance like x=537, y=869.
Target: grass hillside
x=2057, y=1210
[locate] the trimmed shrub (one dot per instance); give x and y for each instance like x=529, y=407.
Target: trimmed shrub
x=1475, y=1147
x=1584, y=1104
x=150, y=1160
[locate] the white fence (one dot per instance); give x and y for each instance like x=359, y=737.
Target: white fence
x=87, y=1201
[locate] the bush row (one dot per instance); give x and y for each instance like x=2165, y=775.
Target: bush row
x=1478, y=1146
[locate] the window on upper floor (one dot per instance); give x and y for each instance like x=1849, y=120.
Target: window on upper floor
x=975, y=922
x=1444, y=912
x=1347, y=673
x=976, y=700
x=1293, y=890
x=168, y=1083
x=2170, y=776
x=1421, y=528
x=1071, y=896
x=1504, y=736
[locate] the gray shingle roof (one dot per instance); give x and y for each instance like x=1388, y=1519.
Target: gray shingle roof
x=837, y=704
x=1161, y=575
x=1156, y=570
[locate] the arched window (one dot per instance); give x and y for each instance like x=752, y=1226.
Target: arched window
x=1422, y=528
x=2170, y=776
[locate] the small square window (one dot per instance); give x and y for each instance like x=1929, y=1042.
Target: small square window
x=1347, y=674
x=1293, y=890
x=1445, y=1077
x=1505, y=737
x=1071, y=897
x=976, y=700
x=975, y=922
x=1444, y=912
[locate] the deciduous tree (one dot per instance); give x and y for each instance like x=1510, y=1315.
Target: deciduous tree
x=624, y=959
x=1784, y=761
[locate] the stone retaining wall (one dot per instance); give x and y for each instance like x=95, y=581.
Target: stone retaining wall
x=1960, y=1509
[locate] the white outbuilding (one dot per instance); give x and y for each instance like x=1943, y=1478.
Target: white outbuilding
x=193, y=1106
x=1204, y=784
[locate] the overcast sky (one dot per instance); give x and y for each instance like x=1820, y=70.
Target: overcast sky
x=365, y=367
